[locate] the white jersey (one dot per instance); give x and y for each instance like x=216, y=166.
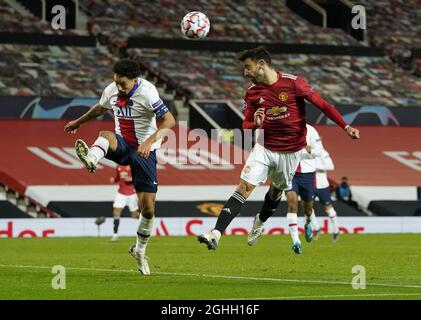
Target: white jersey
x=135, y=114
x=308, y=160
x=324, y=163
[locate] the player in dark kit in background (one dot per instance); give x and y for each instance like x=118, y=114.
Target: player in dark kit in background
x=274, y=103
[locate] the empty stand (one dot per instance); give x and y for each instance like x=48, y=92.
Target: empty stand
x=259, y=21
x=340, y=79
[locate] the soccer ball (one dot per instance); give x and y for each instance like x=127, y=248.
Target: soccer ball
x=195, y=25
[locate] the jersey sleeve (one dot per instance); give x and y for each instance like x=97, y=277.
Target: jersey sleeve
x=248, y=111
x=315, y=142
x=303, y=89
x=154, y=102
x=325, y=162
x=105, y=99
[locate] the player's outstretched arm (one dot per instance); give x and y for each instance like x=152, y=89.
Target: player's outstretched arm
x=333, y=115
x=325, y=163
x=304, y=90
x=94, y=112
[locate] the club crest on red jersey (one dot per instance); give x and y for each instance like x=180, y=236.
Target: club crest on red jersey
x=283, y=96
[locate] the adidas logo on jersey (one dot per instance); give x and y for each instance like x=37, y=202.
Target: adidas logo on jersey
x=261, y=100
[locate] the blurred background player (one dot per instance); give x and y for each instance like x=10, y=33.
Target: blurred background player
x=303, y=185
x=136, y=105
x=125, y=196
x=275, y=102
x=324, y=163
x=344, y=194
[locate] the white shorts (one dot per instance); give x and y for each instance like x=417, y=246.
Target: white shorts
x=279, y=167
x=121, y=200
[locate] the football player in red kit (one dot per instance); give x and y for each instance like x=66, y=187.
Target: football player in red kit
x=126, y=196
x=274, y=103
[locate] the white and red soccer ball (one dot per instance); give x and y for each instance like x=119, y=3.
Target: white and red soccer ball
x=195, y=25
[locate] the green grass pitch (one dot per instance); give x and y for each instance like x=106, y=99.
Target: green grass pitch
x=184, y=269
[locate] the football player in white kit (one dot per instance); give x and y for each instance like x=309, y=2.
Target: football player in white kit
x=303, y=184
x=136, y=105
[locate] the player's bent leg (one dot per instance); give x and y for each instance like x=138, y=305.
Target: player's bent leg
x=138, y=251
x=331, y=212
x=116, y=223
x=292, y=200
x=111, y=138
x=272, y=199
x=228, y=213
x=308, y=211
x=314, y=225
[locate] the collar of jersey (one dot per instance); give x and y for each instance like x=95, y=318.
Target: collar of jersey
x=136, y=85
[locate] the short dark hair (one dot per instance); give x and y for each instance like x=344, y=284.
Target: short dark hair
x=127, y=68
x=256, y=54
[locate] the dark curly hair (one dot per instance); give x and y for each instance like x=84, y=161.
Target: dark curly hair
x=127, y=68
x=256, y=54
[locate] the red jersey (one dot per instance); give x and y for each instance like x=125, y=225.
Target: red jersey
x=125, y=187
x=285, y=124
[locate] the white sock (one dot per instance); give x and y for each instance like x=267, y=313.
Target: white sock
x=217, y=234
x=98, y=149
x=258, y=223
x=292, y=220
x=333, y=218
x=143, y=233
x=314, y=222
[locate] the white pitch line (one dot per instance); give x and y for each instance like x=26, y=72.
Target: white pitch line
x=219, y=276
x=329, y=296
